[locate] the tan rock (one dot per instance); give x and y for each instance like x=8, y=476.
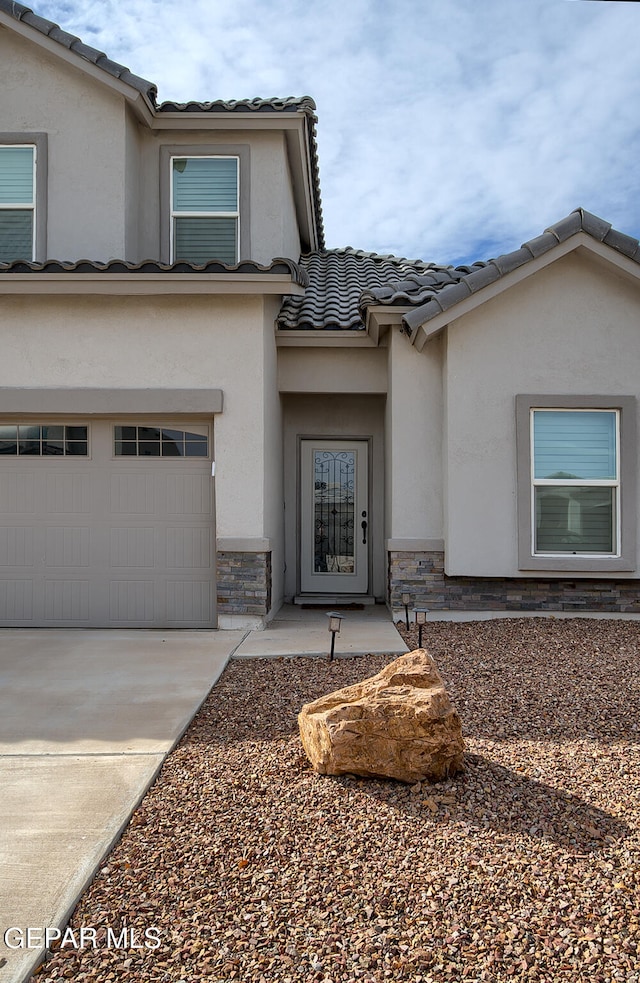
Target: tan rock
x=397, y=724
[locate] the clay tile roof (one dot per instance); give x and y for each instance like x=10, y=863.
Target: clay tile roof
x=98, y=58
x=431, y=297
x=337, y=279
x=344, y=283
x=289, y=104
x=279, y=265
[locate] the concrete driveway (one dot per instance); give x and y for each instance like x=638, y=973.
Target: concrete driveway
x=86, y=720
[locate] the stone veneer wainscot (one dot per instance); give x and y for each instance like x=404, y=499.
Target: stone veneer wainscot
x=244, y=583
x=422, y=575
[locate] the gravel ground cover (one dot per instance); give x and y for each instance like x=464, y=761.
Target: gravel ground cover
x=527, y=867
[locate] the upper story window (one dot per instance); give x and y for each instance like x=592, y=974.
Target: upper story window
x=205, y=209
x=17, y=202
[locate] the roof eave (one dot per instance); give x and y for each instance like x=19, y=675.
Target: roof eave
x=379, y=320
x=298, y=143
x=433, y=326
x=148, y=284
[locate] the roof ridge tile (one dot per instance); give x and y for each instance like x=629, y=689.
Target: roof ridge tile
x=622, y=242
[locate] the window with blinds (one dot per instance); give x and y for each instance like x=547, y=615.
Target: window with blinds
x=204, y=209
x=576, y=481
x=17, y=202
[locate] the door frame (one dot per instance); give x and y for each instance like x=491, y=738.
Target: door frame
x=335, y=587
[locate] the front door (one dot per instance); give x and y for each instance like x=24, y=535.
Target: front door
x=334, y=513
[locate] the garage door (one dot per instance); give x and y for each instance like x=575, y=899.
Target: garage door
x=106, y=524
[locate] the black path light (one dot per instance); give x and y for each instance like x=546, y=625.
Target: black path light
x=421, y=620
x=334, y=627
x=406, y=600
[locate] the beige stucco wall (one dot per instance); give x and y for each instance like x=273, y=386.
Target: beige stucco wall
x=332, y=370
x=273, y=227
x=334, y=416
x=571, y=328
x=273, y=477
x=104, y=166
x=85, y=123
x=134, y=181
x=413, y=428
x=172, y=343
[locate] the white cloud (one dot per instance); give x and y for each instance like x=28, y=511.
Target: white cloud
x=446, y=130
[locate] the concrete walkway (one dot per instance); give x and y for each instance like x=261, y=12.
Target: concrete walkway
x=305, y=631
x=86, y=720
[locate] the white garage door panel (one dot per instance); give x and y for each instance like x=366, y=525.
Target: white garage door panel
x=104, y=541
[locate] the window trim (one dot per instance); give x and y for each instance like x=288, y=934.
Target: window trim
x=40, y=165
x=170, y=151
x=625, y=558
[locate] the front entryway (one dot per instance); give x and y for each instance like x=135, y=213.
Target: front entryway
x=334, y=517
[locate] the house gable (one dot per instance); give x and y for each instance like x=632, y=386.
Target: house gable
x=61, y=44
x=438, y=298
x=106, y=134
x=569, y=332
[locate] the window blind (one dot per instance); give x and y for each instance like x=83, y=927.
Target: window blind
x=16, y=175
x=198, y=240
x=205, y=184
x=575, y=444
x=16, y=234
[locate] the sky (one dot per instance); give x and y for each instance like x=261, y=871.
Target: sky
x=448, y=130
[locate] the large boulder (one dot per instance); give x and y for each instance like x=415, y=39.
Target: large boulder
x=397, y=724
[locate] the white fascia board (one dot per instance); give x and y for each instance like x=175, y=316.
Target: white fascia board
x=302, y=178
x=140, y=104
x=250, y=120
x=379, y=321
x=579, y=241
x=147, y=284
x=320, y=338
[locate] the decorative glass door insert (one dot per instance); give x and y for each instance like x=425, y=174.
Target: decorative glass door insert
x=335, y=517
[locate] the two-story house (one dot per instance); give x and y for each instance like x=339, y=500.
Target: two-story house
x=204, y=412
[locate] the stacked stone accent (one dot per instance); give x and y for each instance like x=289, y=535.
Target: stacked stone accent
x=244, y=583
x=423, y=576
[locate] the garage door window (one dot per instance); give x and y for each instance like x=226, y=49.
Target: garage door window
x=40, y=440
x=163, y=441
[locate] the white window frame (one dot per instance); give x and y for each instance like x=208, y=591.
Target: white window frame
x=173, y=214
x=23, y=206
x=588, y=564
x=575, y=482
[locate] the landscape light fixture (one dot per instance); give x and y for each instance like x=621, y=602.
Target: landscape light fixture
x=421, y=619
x=334, y=627
x=406, y=600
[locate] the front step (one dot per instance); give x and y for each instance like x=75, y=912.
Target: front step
x=345, y=601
